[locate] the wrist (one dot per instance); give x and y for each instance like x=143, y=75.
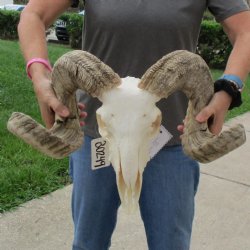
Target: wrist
x=41, y=86
x=231, y=90
x=39, y=73
x=38, y=67
x=233, y=79
x=225, y=99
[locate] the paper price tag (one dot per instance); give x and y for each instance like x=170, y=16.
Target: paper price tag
x=159, y=142
x=99, y=154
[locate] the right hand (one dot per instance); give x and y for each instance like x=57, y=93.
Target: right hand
x=47, y=100
x=48, y=103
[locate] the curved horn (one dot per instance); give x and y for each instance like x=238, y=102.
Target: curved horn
x=74, y=70
x=188, y=72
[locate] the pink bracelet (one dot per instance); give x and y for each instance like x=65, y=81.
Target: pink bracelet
x=37, y=60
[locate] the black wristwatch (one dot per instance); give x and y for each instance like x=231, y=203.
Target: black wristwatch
x=231, y=88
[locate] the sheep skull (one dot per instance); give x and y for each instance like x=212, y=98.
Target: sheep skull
x=128, y=120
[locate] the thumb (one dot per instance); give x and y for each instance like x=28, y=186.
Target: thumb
x=59, y=108
x=204, y=114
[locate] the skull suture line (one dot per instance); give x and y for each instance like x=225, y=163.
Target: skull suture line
x=128, y=131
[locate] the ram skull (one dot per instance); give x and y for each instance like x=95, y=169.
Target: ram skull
x=129, y=119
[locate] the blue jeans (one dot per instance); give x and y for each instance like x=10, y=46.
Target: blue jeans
x=170, y=182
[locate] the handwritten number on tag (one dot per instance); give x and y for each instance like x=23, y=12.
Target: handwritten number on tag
x=100, y=154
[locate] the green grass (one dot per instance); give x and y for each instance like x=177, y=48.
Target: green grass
x=24, y=173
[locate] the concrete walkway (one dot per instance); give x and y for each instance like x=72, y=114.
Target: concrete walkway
x=222, y=213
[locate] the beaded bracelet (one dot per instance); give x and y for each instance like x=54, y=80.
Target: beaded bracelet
x=37, y=60
x=231, y=89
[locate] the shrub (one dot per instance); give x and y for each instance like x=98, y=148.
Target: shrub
x=208, y=16
x=65, y=17
x=213, y=44
x=74, y=24
x=8, y=24
x=74, y=28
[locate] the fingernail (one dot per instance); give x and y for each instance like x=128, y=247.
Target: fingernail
x=65, y=112
x=198, y=117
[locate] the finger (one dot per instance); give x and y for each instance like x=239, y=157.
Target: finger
x=82, y=123
x=48, y=117
x=83, y=114
x=180, y=128
x=215, y=126
x=81, y=106
x=204, y=114
x=58, y=107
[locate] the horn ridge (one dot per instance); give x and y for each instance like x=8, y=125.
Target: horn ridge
x=172, y=72
x=84, y=71
x=188, y=72
x=74, y=70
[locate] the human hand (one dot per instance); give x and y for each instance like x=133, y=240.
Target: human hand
x=48, y=103
x=214, y=113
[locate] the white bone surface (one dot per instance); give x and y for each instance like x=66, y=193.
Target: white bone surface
x=127, y=121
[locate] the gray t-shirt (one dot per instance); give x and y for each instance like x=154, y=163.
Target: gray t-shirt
x=131, y=35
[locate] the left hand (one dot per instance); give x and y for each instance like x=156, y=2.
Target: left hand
x=214, y=113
